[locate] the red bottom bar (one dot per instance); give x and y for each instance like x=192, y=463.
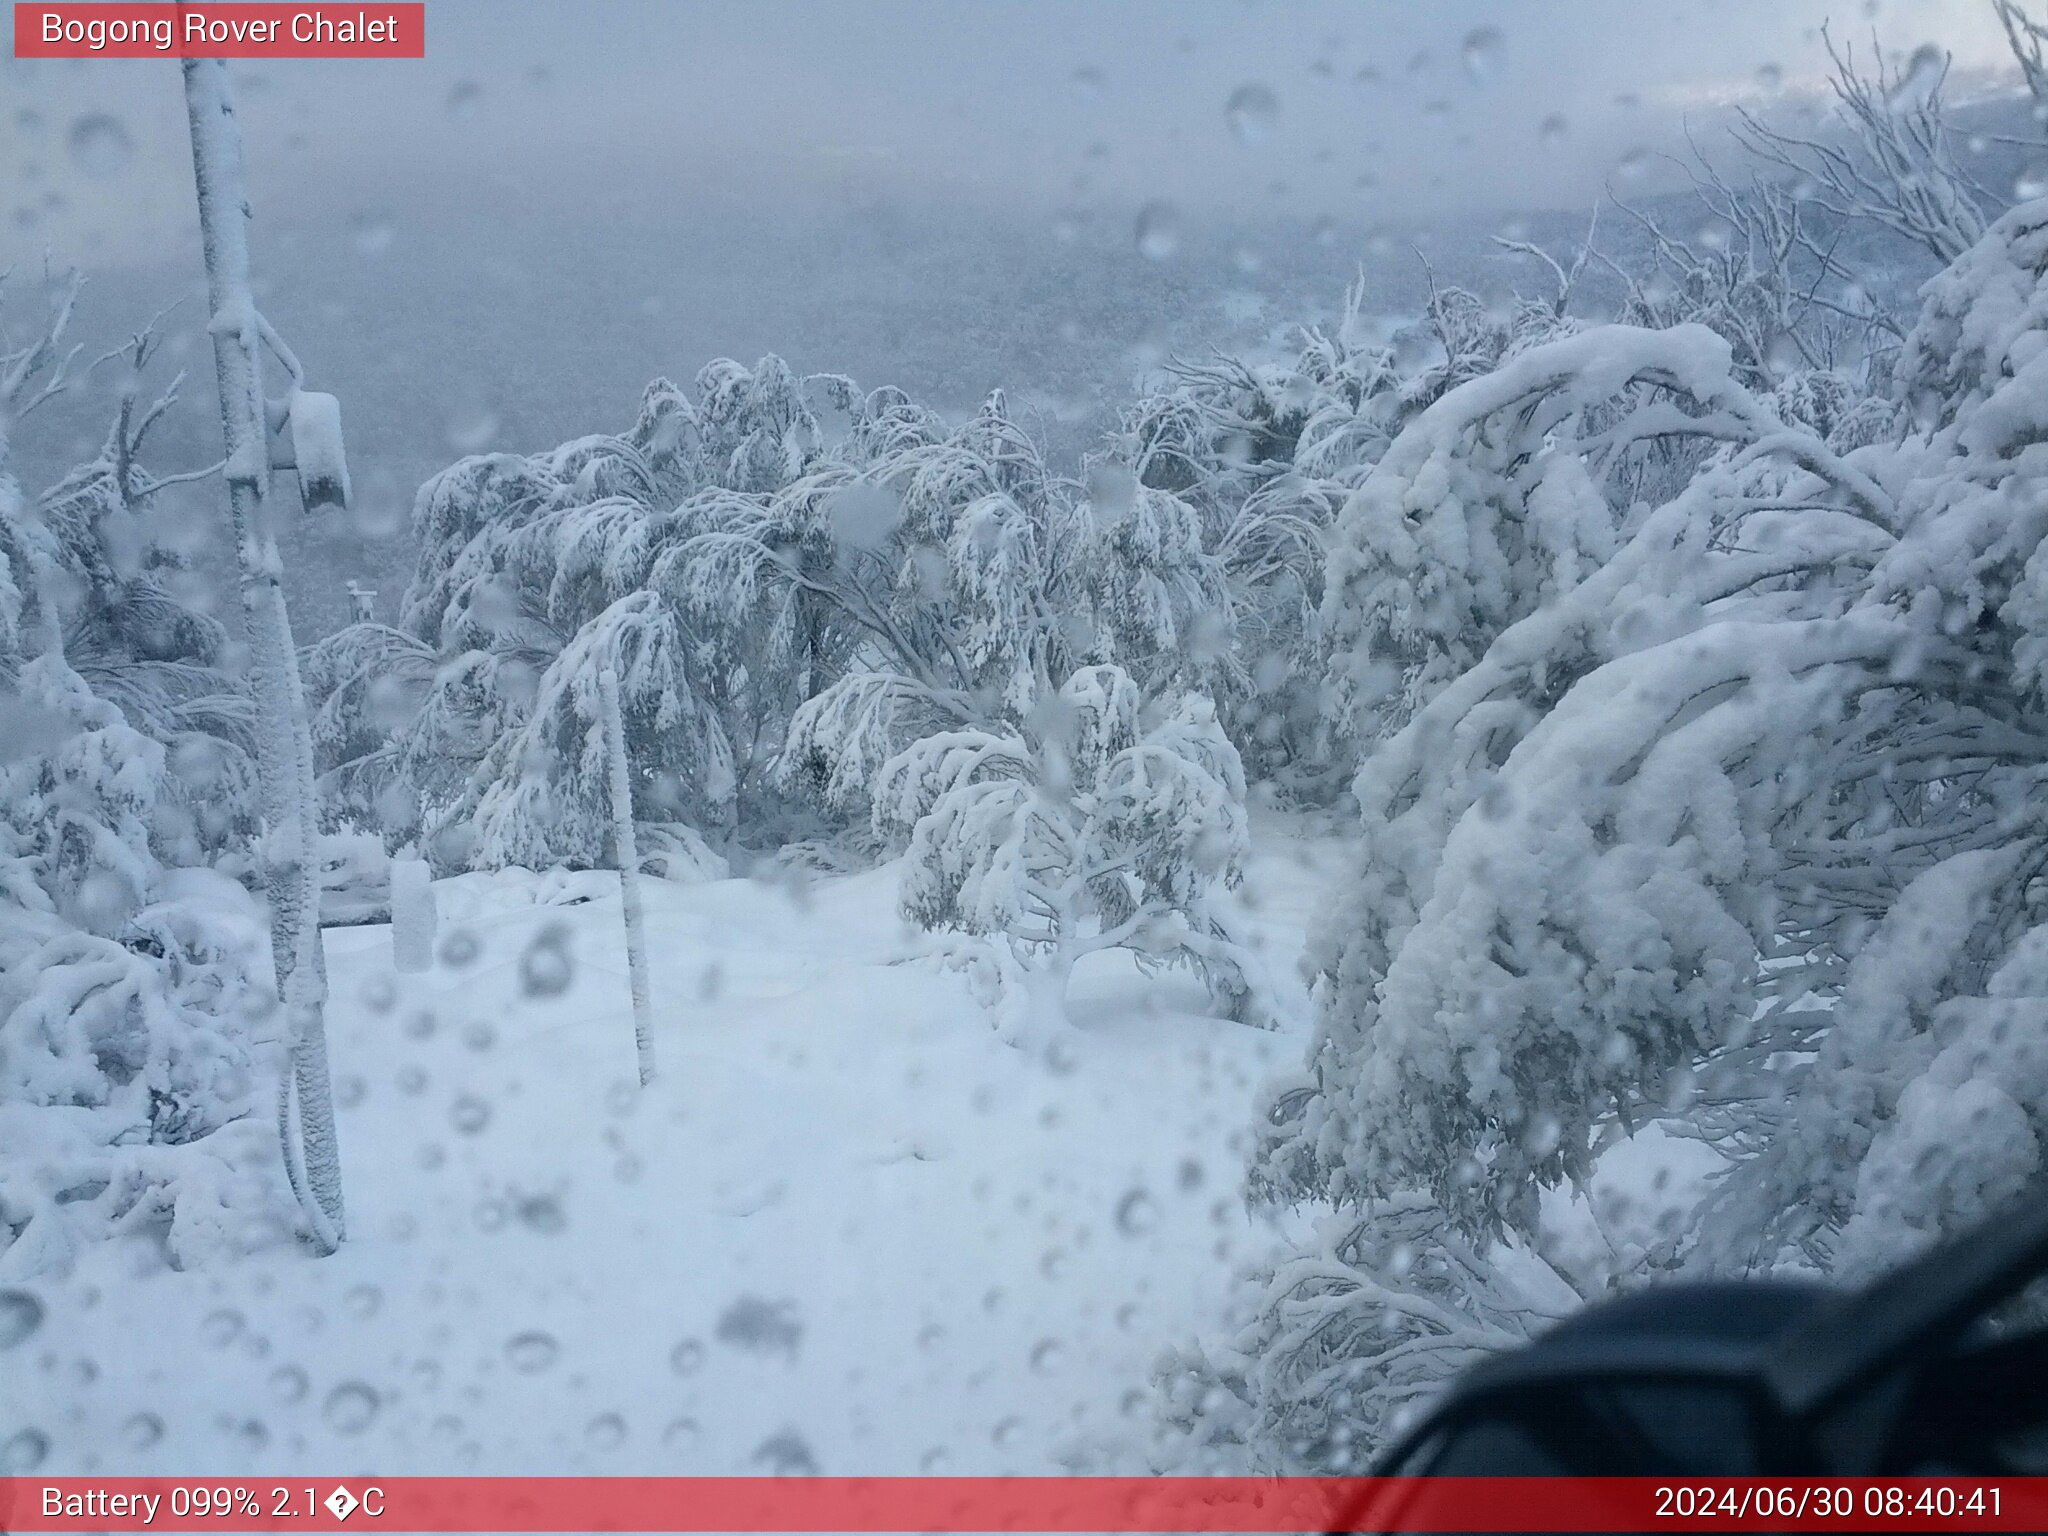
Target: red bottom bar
x=1061, y=1504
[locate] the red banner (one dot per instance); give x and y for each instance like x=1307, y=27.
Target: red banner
x=189, y=28
x=1054, y=1504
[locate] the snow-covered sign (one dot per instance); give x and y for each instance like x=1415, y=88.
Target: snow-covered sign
x=314, y=421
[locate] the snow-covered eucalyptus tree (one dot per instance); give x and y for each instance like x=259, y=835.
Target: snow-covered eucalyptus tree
x=1720, y=818
x=951, y=582
x=133, y=988
x=461, y=727
x=1895, y=160
x=1084, y=829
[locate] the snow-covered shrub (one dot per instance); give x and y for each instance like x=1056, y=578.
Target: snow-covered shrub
x=133, y=981
x=734, y=557
x=128, y=992
x=951, y=584
x=1564, y=887
x=1892, y=157
x=546, y=796
x=1720, y=813
x=531, y=570
x=1084, y=829
x=1347, y=1340
x=795, y=581
x=1265, y=454
x=1762, y=273
x=100, y=549
x=1504, y=494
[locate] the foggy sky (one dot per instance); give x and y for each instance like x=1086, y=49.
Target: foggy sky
x=499, y=245
x=1075, y=107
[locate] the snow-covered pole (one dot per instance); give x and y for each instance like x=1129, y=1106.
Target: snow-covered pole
x=412, y=915
x=629, y=870
x=284, y=748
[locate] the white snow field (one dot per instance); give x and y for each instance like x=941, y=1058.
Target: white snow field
x=846, y=1230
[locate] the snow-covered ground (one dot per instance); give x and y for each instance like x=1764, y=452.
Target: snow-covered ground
x=846, y=1230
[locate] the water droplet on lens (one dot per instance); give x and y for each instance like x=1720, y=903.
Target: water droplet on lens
x=786, y=1455
x=1481, y=54
x=142, y=1431
x=100, y=145
x=1252, y=112
x=531, y=1351
x=21, y=1314
x=540, y=1213
x=472, y=430
x=460, y=948
x=758, y=1324
x=349, y=1408
x=469, y=1114
x=680, y=1432
x=23, y=1452
x=1136, y=1213
x=546, y=968
x=289, y=1383
x=372, y=235
x=463, y=96
x=606, y=1432
x=686, y=1357
x=1158, y=231
x=1918, y=80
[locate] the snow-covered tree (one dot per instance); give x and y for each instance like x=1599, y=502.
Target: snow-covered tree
x=1894, y=161
x=1346, y=1341
x=1084, y=829
x=1507, y=492
x=1763, y=271
x=543, y=794
x=535, y=572
x=135, y=998
x=1722, y=819
x=953, y=583
x=1556, y=727
x=1266, y=453
x=131, y=992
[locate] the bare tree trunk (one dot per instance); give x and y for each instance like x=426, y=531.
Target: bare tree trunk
x=284, y=748
x=629, y=870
